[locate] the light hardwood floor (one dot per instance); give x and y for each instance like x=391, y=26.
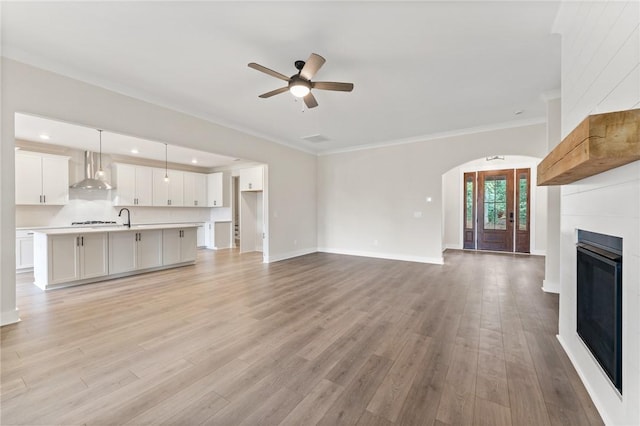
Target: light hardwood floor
x=320, y=339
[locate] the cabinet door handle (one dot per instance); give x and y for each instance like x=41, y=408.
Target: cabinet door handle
x=82, y=241
x=215, y=202
x=44, y=197
x=40, y=198
x=139, y=236
x=249, y=185
x=77, y=241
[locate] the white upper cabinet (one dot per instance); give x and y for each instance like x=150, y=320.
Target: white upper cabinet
x=252, y=179
x=195, y=189
x=219, y=189
x=42, y=179
x=168, y=193
x=134, y=185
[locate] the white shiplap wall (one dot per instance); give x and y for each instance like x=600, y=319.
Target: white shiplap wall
x=601, y=73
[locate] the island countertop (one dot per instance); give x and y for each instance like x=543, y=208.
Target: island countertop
x=115, y=228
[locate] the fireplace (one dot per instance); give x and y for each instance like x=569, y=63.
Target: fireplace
x=599, y=285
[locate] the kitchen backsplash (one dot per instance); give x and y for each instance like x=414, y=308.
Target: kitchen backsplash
x=98, y=206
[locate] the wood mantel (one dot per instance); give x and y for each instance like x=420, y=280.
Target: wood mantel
x=600, y=143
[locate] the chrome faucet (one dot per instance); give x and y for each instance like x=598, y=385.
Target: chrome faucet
x=128, y=224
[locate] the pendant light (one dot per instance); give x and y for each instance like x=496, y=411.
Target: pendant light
x=100, y=175
x=166, y=170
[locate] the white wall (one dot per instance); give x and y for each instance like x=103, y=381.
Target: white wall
x=601, y=73
x=453, y=200
x=551, y=282
x=291, y=180
x=367, y=198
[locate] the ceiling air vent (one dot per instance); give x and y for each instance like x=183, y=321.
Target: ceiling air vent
x=315, y=138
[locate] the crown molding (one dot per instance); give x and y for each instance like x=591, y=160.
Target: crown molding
x=441, y=135
x=73, y=74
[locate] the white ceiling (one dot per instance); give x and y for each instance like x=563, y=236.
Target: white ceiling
x=32, y=128
x=419, y=68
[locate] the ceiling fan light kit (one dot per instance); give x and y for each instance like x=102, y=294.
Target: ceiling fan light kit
x=299, y=87
x=300, y=84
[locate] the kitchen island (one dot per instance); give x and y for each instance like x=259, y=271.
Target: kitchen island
x=72, y=256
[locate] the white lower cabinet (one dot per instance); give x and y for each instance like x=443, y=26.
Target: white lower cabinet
x=24, y=250
x=149, y=249
x=218, y=235
x=77, y=258
x=74, y=257
x=179, y=245
x=129, y=251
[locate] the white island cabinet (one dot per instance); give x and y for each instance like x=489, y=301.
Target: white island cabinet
x=134, y=250
x=179, y=245
x=69, y=257
x=65, y=257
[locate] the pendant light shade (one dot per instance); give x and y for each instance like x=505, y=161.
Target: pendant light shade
x=166, y=169
x=100, y=175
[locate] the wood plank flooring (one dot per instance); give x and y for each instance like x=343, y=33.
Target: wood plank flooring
x=320, y=339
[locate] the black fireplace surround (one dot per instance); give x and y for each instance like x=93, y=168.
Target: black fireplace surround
x=599, y=291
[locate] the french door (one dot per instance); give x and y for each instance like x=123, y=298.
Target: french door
x=496, y=210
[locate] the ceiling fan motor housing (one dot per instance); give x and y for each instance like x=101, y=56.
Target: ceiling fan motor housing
x=299, y=65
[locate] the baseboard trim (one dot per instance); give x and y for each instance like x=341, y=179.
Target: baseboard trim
x=452, y=247
x=538, y=252
x=587, y=385
x=388, y=256
x=289, y=255
x=10, y=317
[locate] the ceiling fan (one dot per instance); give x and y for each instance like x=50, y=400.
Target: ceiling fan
x=300, y=84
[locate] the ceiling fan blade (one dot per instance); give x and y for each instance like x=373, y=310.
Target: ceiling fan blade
x=273, y=92
x=268, y=71
x=330, y=85
x=312, y=66
x=310, y=101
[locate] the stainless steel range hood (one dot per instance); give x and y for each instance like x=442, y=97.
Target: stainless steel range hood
x=89, y=182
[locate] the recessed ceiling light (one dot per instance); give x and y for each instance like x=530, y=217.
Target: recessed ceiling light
x=518, y=112
x=44, y=137
x=194, y=161
x=134, y=151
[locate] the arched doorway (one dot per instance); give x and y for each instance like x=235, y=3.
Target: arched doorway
x=494, y=204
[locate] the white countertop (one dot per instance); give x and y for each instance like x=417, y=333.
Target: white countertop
x=116, y=228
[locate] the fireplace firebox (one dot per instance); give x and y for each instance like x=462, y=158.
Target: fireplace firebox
x=599, y=301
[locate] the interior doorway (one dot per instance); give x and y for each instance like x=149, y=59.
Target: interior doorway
x=497, y=210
